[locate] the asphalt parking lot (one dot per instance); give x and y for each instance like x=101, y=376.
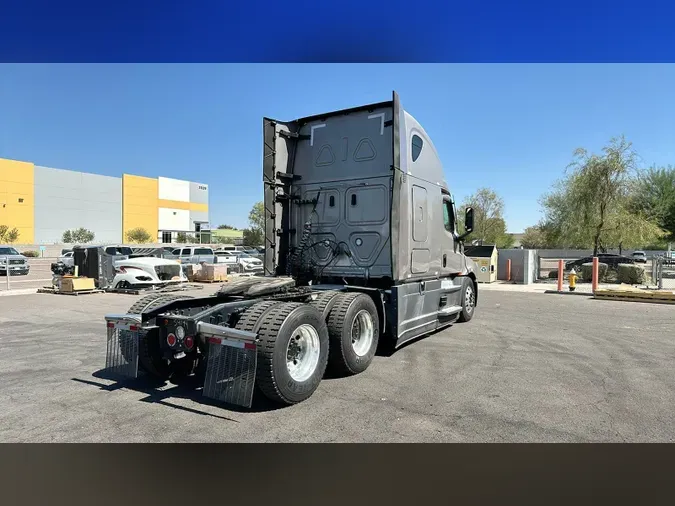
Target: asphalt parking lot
x=529, y=367
x=40, y=275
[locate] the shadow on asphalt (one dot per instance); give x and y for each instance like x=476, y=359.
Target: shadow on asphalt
x=187, y=388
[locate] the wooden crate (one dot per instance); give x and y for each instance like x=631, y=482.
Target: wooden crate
x=73, y=284
x=211, y=273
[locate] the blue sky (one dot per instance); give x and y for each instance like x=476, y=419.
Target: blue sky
x=510, y=127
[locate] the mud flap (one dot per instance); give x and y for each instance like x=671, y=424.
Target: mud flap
x=231, y=364
x=121, y=357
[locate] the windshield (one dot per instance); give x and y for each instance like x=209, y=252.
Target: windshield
x=8, y=251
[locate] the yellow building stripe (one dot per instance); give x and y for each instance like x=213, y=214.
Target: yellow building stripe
x=185, y=206
x=17, y=198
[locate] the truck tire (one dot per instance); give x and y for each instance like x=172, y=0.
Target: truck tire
x=251, y=319
x=293, y=352
x=149, y=355
x=354, y=330
x=468, y=300
x=325, y=301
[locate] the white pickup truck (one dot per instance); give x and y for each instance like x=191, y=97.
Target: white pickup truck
x=195, y=255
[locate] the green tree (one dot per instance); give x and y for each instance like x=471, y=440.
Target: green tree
x=534, y=238
x=253, y=237
x=256, y=217
x=80, y=235
x=592, y=206
x=8, y=235
x=226, y=227
x=489, y=226
x=182, y=238
x=655, y=196
x=139, y=235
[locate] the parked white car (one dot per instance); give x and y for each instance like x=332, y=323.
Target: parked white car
x=248, y=263
x=147, y=271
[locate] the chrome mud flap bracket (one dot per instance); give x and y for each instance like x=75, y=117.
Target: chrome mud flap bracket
x=231, y=364
x=123, y=334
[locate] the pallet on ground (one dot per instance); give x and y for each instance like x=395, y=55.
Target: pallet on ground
x=224, y=279
x=632, y=294
x=75, y=292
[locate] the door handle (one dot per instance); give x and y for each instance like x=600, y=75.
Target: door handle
x=445, y=260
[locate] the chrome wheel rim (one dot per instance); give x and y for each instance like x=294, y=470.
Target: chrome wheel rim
x=469, y=299
x=302, y=353
x=363, y=333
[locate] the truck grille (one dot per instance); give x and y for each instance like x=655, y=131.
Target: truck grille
x=230, y=373
x=167, y=272
x=16, y=262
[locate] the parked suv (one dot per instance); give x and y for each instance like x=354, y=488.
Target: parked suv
x=13, y=260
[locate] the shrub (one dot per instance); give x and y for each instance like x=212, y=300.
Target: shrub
x=31, y=253
x=553, y=274
x=138, y=235
x=587, y=271
x=631, y=274
x=8, y=235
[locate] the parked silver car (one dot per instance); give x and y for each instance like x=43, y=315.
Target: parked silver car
x=67, y=259
x=13, y=260
x=640, y=257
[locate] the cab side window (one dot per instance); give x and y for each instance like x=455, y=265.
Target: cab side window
x=448, y=216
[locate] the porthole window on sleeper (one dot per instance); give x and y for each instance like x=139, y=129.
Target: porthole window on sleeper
x=417, y=144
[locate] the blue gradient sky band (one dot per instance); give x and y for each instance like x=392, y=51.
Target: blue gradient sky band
x=327, y=31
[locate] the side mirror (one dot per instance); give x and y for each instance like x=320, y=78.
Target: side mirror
x=468, y=220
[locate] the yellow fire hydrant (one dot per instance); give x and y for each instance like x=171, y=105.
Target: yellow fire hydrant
x=573, y=280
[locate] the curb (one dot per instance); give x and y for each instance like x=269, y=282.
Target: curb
x=586, y=294
x=24, y=291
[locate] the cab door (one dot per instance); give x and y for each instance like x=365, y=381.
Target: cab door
x=451, y=253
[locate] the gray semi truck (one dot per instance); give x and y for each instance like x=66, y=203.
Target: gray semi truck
x=362, y=249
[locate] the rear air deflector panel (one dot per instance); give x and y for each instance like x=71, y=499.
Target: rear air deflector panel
x=353, y=188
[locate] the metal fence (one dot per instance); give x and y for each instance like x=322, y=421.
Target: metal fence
x=663, y=272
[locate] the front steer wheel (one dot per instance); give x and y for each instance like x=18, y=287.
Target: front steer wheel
x=468, y=300
x=293, y=351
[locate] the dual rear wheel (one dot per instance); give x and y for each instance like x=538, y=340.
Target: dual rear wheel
x=299, y=342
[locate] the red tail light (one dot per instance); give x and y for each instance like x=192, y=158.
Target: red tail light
x=189, y=342
x=171, y=340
